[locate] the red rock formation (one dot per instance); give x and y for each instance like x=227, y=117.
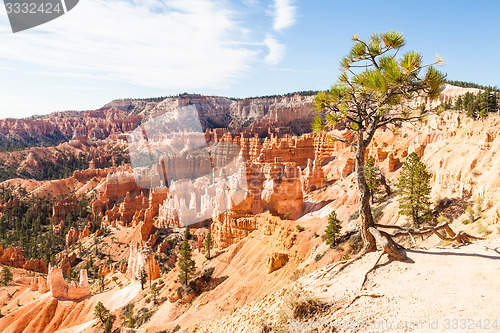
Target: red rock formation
x=15, y=257
x=349, y=167
x=312, y=177
x=85, y=232
x=61, y=289
x=36, y=265
x=139, y=258
x=72, y=237
x=62, y=208
x=276, y=261
x=95, y=125
x=200, y=239
x=164, y=246
x=394, y=163
x=282, y=191
x=67, y=261
x=147, y=227
x=39, y=283
x=151, y=241
x=228, y=228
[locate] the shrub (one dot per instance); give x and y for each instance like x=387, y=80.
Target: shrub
x=443, y=219
x=355, y=243
x=303, y=305
x=319, y=256
x=207, y=273
x=378, y=213
x=6, y=276
x=299, y=228
x=131, y=322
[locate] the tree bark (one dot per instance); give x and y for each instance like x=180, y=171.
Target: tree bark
x=365, y=212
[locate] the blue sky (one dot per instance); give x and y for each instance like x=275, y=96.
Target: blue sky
x=108, y=49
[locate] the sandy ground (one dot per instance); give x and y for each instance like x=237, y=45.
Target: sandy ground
x=436, y=290
x=432, y=289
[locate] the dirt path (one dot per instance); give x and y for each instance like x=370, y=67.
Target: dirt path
x=437, y=290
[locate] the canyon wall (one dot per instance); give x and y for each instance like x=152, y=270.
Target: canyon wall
x=61, y=126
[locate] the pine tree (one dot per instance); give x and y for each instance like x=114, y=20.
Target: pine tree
x=143, y=275
x=187, y=234
x=414, y=190
x=186, y=264
x=332, y=229
x=372, y=175
x=6, y=276
x=154, y=292
x=375, y=89
x=207, y=245
x=108, y=326
x=101, y=312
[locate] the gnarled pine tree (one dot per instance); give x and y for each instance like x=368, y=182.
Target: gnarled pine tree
x=375, y=89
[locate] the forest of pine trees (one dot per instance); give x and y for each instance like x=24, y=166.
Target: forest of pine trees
x=63, y=167
x=464, y=84
x=479, y=105
x=26, y=222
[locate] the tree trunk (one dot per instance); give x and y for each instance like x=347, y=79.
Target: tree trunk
x=365, y=212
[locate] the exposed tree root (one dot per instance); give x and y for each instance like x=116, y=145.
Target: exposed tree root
x=371, y=269
x=341, y=264
x=460, y=237
x=358, y=297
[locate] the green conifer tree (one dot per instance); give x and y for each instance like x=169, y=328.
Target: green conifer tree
x=101, y=312
x=332, y=229
x=186, y=264
x=207, y=245
x=187, y=233
x=414, y=190
x=6, y=276
x=143, y=275
x=154, y=292
x=375, y=89
x=108, y=326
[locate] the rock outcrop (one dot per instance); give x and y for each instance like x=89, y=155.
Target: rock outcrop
x=14, y=256
x=282, y=191
x=39, y=283
x=61, y=289
x=276, y=261
x=139, y=258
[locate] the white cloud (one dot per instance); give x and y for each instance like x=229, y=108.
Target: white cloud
x=170, y=44
x=276, y=51
x=285, y=14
